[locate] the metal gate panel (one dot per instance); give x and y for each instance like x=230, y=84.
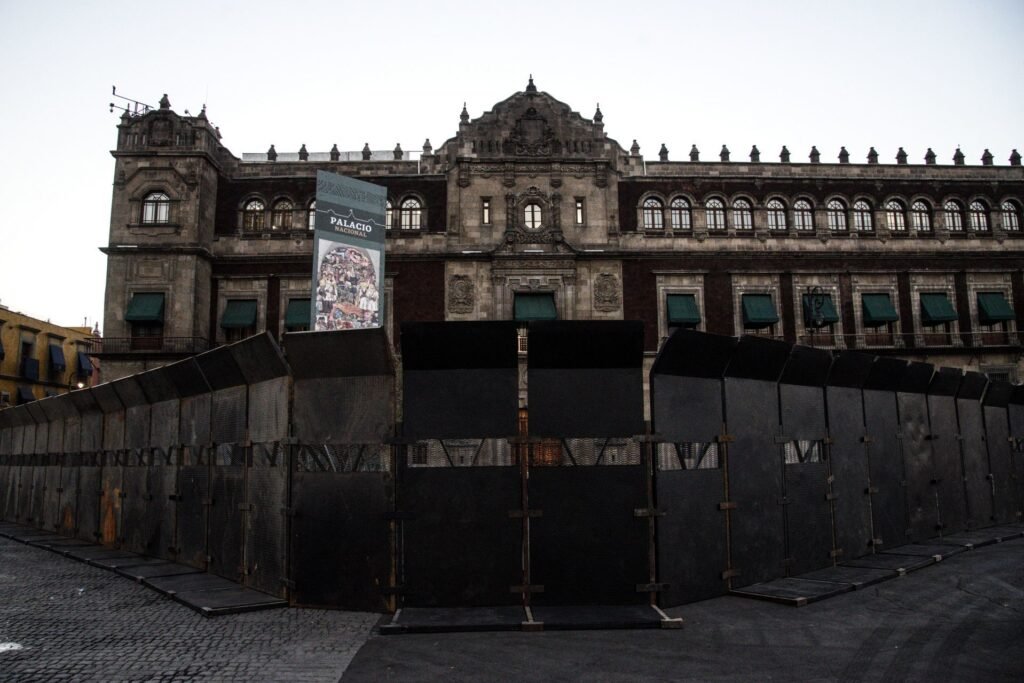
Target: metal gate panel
x=588, y=547
x=1015, y=414
x=113, y=432
x=112, y=487
x=134, y=503
x=26, y=474
x=164, y=433
x=17, y=439
x=136, y=428
x=1000, y=453
x=50, y=513
x=159, y=521
x=194, y=430
x=461, y=545
x=92, y=432
x=192, y=510
x=69, y=484
x=265, y=539
x=851, y=485
x=9, y=510
x=947, y=466
x=39, y=438
x=922, y=508
x=268, y=411
x=36, y=516
x=227, y=512
x=978, y=479
x=72, y=434
x=90, y=488
x=55, y=436
x=229, y=415
x=351, y=567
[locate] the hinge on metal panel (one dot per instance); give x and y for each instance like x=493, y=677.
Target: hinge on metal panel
x=243, y=507
x=208, y=501
x=782, y=500
x=60, y=490
x=936, y=482
x=931, y=437
x=875, y=542
x=866, y=439
x=647, y=512
x=176, y=497
x=651, y=587
x=830, y=479
x=518, y=514
x=940, y=526
x=989, y=476
x=398, y=515
x=829, y=440
x=831, y=496
x=730, y=574
x=837, y=552
x=725, y=438
x=727, y=505
x=787, y=561
x=532, y=588
x=871, y=490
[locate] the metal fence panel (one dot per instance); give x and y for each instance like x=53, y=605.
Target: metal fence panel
x=69, y=484
x=112, y=488
x=50, y=513
x=977, y=482
x=266, y=532
x=37, y=511
x=1015, y=414
x=849, y=467
x=55, y=437
x=90, y=489
x=687, y=409
x=164, y=433
x=229, y=415
x=192, y=511
x=344, y=409
x=268, y=410
x=135, y=504
x=157, y=531
x=35, y=439
x=1000, y=457
x=227, y=512
x=92, y=432
x=113, y=431
x=26, y=474
x=947, y=467
x=136, y=427
x=18, y=439
x=9, y=491
x=917, y=459
x=72, y=434
x=194, y=430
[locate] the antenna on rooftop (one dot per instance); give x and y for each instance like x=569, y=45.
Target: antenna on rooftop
x=129, y=106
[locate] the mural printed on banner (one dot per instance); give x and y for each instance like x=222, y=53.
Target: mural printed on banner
x=348, y=261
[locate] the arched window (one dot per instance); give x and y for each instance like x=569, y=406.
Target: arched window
x=954, y=216
x=311, y=215
x=920, y=217
x=715, y=211
x=978, y=216
x=862, y=221
x=532, y=217
x=652, y=216
x=742, y=217
x=835, y=210
x=252, y=215
x=411, y=214
x=156, y=208
x=281, y=215
x=895, y=216
x=1011, y=217
x=679, y=211
x=803, y=219
x=776, y=215
x=389, y=220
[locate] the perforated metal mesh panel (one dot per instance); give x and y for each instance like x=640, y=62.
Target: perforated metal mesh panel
x=113, y=431
x=687, y=456
x=38, y=499
x=55, y=435
x=69, y=483
x=18, y=439
x=6, y=436
x=137, y=427
x=373, y=457
x=135, y=504
x=461, y=453
x=268, y=410
x=227, y=519
x=72, y=434
x=265, y=540
x=92, y=432
x=50, y=514
x=195, y=421
x=191, y=510
x=111, y=483
x=164, y=432
x=229, y=415
x=88, y=511
x=9, y=493
x=41, y=437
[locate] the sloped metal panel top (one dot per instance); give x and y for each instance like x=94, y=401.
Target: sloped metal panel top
x=807, y=367
x=38, y=416
x=107, y=398
x=157, y=385
x=972, y=387
x=917, y=378
x=1017, y=397
x=688, y=353
x=850, y=369
x=886, y=374
x=19, y=416
x=130, y=392
x=999, y=394
x=84, y=400
x=945, y=382
x=220, y=369
x=459, y=345
x=6, y=418
x=759, y=358
x=566, y=344
x=259, y=358
x=58, y=407
x=344, y=353
x=187, y=378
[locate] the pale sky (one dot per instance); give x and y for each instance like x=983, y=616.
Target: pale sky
x=918, y=74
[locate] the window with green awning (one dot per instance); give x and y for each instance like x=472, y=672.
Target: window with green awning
x=239, y=314
x=683, y=310
x=296, y=316
x=936, y=309
x=878, y=310
x=534, y=306
x=145, y=307
x=993, y=308
x=819, y=311
x=759, y=311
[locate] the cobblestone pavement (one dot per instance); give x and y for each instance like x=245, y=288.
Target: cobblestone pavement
x=61, y=619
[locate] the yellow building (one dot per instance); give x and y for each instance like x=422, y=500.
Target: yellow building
x=40, y=359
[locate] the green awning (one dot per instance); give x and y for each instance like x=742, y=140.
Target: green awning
x=878, y=310
x=239, y=313
x=992, y=308
x=682, y=310
x=819, y=311
x=57, y=361
x=936, y=309
x=539, y=306
x=145, y=308
x=759, y=311
x=84, y=365
x=297, y=313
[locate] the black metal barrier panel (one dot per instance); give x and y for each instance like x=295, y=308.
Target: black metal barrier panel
x=848, y=453
x=1015, y=411
x=193, y=487
x=1000, y=452
x=979, y=480
x=922, y=500
x=947, y=463
x=755, y=469
x=807, y=491
x=689, y=478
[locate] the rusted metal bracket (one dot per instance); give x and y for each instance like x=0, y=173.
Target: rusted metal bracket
x=519, y=514
x=647, y=512
x=727, y=505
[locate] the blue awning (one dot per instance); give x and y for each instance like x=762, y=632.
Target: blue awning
x=57, y=362
x=84, y=365
x=25, y=395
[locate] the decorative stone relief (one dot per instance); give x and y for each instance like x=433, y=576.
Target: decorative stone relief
x=461, y=294
x=607, y=296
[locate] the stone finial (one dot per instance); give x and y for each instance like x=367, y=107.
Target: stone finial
x=427, y=149
x=724, y=154
x=202, y=113
x=125, y=116
x=1014, y=158
x=271, y=154
x=958, y=157
x=755, y=154
x=844, y=156
x=335, y=154
x=929, y=157
x=464, y=116
x=366, y=151
x=901, y=156
x=872, y=156
x=634, y=149
x=530, y=87
x=216, y=129
x=598, y=116
x=694, y=153
x=164, y=102
x=398, y=152
x=986, y=158
x=815, y=155
x=784, y=155
x=303, y=154
x=663, y=153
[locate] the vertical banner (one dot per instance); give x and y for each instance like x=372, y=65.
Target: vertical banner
x=348, y=257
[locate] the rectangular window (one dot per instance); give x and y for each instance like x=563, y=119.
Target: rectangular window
x=296, y=317
x=682, y=311
x=534, y=306
x=759, y=311
x=145, y=314
x=579, y=211
x=239, y=319
x=485, y=210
